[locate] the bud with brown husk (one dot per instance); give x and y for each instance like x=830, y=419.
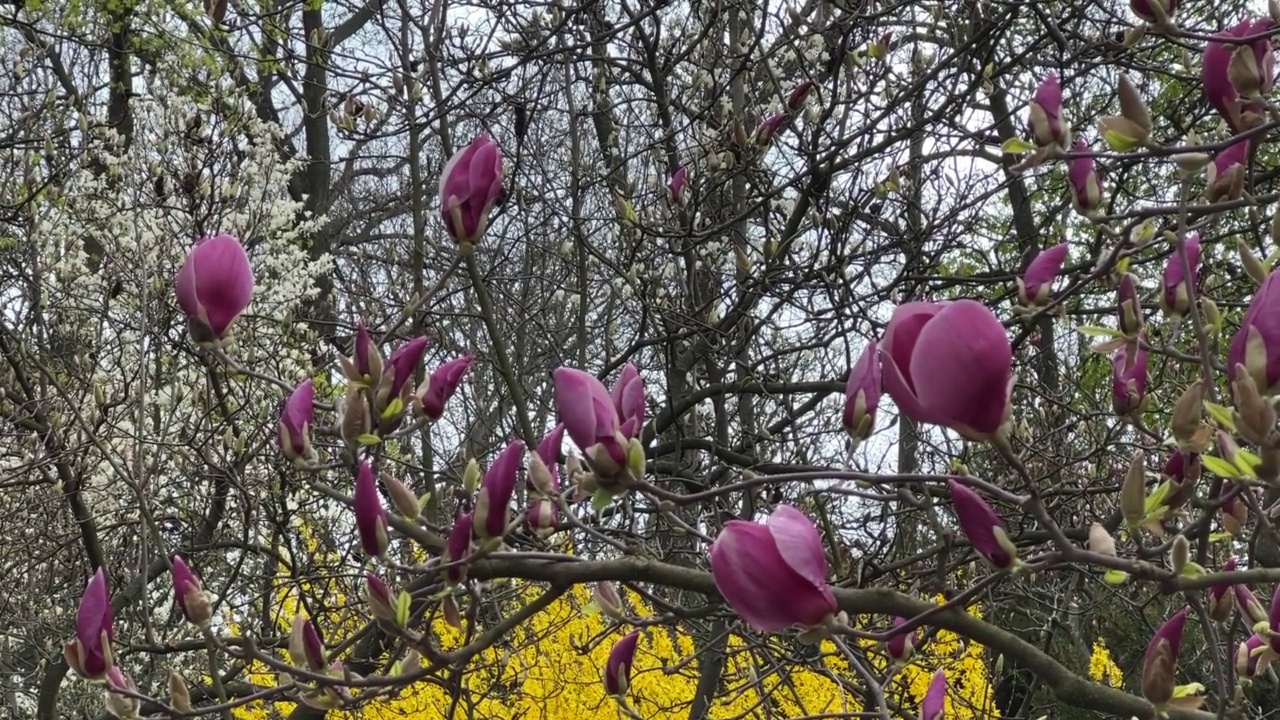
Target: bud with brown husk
x=1133, y=493
x=1191, y=434
x=1255, y=417
x=1100, y=541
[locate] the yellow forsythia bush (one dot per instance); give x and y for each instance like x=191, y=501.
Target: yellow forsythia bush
x=550, y=669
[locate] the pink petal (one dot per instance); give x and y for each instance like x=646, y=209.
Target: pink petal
x=962, y=364
x=799, y=544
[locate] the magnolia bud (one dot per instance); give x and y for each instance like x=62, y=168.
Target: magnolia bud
x=471, y=476
x=404, y=500
x=1133, y=493
x=606, y=597
x=412, y=662
x=1100, y=541
x=1254, y=416
x=1179, y=554
x=1185, y=419
x=1250, y=261
x=449, y=609
x=179, y=695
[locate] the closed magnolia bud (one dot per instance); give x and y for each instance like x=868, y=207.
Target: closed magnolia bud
x=1100, y=541
x=1185, y=420
x=471, y=476
x=449, y=609
x=1180, y=554
x=1250, y=261
x=1212, y=314
x=606, y=597
x=1132, y=106
x=354, y=420
x=1133, y=493
x=404, y=500
x=1190, y=164
x=412, y=662
x=179, y=695
x=1254, y=415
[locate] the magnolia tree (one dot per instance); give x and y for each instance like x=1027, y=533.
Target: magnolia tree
x=785, y=330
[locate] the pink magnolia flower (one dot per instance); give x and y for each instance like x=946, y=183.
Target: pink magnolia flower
x=1257, y=64
x=1160, y=660
x=1128, y=306
x=377, y=596
x=770, y=127
x=1256, y=345
x=400, y=370
x=678, y=180
x=1045, y=120
x=457, y=547
x=436, y=391
x=798, y=95
x=541, y=516
x=1128, y=381
x=469, y=187
x=933, y=706
x=543, y=474
x=628, y=398
x=294, y=435
x=1254, y=656
x=1175, y=296
x=493, y=501
x=1250, y=609
x=1220, y=597
x=862, y=394
x=1147, y=9
x=306, y=649
x=983, y=527
x=213, y=287
x=90, y=653
x=1235, y=512
x=371, y=516
x=590, y=416
x=902, y=645
x=1086, y=185
x=1226, y=174
x=1036, y=284
x=617, y=671
x=773, y=575
x=949, y=364
x=189, y=595
x=1182, y=470
x=365, y=364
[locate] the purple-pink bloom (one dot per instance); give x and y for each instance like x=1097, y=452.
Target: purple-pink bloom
x=773, y=575
x=457, y=547
x=1215, y=72
x=188, y=593
x=798, y=95
x=1036, y=284
x=378, y=596
x=1045, y=119
x=469, y=187
x=543, y=472
x=769, y=128
x=1250, y=609
x=1147, y=9
x=1235, y=512
x=678, y=180
x=901, y=646
x=494, y=497
x=934, y=704
x=628, y=398
x=1226, y=174
x=949, y=364
x=862, y=394
x=1183, y=472
x=1220, y=596
x=294, y=432
x=214, y=286
x=365, y=364
x=371, y=516
x=1256, y=345
x=1128, y=381
x=90, y=653
x=590, y=417
x=1086, y=185
x=542, y=516
x=305, y=646
x=436, y=391
x=401, y=368
x=617, y=671
x=1254, y=656
x=1175, y=295
x=984, y=528
x=1160, y=660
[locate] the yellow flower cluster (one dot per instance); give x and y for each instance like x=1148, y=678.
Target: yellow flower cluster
x=550, y=669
